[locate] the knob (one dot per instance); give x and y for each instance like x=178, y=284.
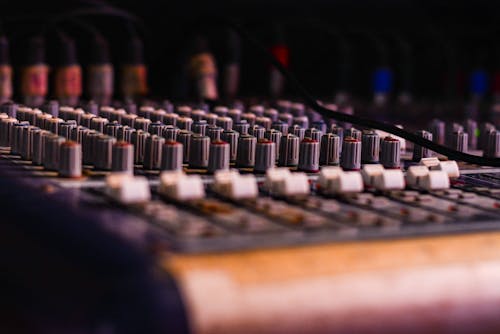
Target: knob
x=122, y=157
x=152, y=154
x=200, y=127
x=142, y=123
x=198, y=115
x=235, y=114
x=184, y=111
x=27, y=142
x=199, y=151
x=370, y=147
x=272, y=114
x=139, y=141
x=257, y=131
x=484, y=132
x=249, y=118
x=472, y=131
x=264, y=122
x=339, y=131
x=129, y=120
x=313, y=133
x=125, y=133
x=51, y=152
x=184, y=137
x=70, y=160
x=330, y=149
x=301, y=121
x=6, y=126
x=320, y=125
x=170, y=119
x=98, y=123
x=145, y=111
x=286, y=118
x=103, y=152
x=265, y=155
x=211, y=118
x=281, y=127
x=451, y=128
x=350, y=158
x=111, y=129
x=257, y=110
x=420, y=152
x=171, y=158
x=214, y=132
x=10, y=109
x=299, y=131
x=224, y=122
x=116, y=115
x=297, y=109
x=39, y=137
x=218, y=156
x=158, y=115
x=309, y=155
x=242, y=127
x=52, y=125
x=156, y=128
x=65, y=129
x=275, y=137
x=89, y=141
x=104, y=111
x=170, y=132
x=460, y=141
x=17, y=137
x=231, y=137
x=184, y=123
x=289, y=151
x=86, y=119
x=77, y=133
x=437, y=128
x=221, y=111
x=493, y=148
x=91, y=107
x=354, y=133
x=390, y=151
x=245, y=157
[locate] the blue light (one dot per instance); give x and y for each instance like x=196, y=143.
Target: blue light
x=479, y=82
x=382, y=80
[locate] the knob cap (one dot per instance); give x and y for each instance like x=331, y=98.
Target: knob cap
x=184, y=137
x=265, y=155
x=264, y=122
x=493, y=148
x=198, y=115
x=231, y=137
x=370, y=147
x=70, y=160
x=6, y=126
x=199, y=151
x=142, y=123
x=171, y=158
x=170, y=132
x=152, y=154
x=129, y=120
x=286, y=118
x=350, y=158
x=125, y=133
x=86, y=119
x=275, y=137
x=272, y=114
x=313, y=133
x=51, y=153
x=329, y=150
x=437, y=128
x=158, y=115
x=289, y=151
x=123, y=157
x=281, y=127
x=211, y=118
x=249, y=118
x=170, y=119
x=38, y=149
x=301, y=121
x=460, y=141
x=390, y=152
x=472, y=130
x=235, y=114
x=214, y=132
x=218, y=156
x=184, y=111
x=26, y=149
x=420, y=152
x=200, y=127
x=156, y=128
x=484, y=134
x=354, y=133
x=224, y=122
x=246, y=151
x=309, y=155
x=139, y=141
x=299, y=131
x=257, y=131
x=104, y=150
x=185, y=123
x=242, y=127
x=10, y=109
x=17, y=137
x=65, y=129
x=111, y=129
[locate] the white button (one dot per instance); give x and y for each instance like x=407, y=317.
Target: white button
x=181, y=187
x=127, y=189
x=230, y=184
x=333, y=180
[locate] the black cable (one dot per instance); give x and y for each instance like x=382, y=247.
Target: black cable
x=368, y=123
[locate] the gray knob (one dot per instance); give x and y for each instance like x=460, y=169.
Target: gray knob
x=26, y=149
x=111, y=129
x=271, y=114
x=420, y=152
x=70, y=160
x=390, y=152
x=131, y=107
x=38, y=149
x=51, y=107
x=246, y=151
x=103, y=153
x=249, y=118
x=309, y=155
x=16, y=138
x=67, y=113
x=350, y=157
x=91, y=107
x=65, y=129
x=6, y=126
x=184, y=111
x=158, y=115
x=257, y=131
x=116, y=115
x=86, y=119
x=493, y=148
x=242, y=127
x=139, y=141
x=354, y=133
x=105, y=111
x=265, y=155
x=301, y=121
x=472, y=131
x=122, y=157
x=451, y=128
x=98, y=123
x=152, y=155
x=89, y=146
x=184, y=137
x=337, y=130
x=170, y=132
x=41, y=119
x=437, y=128
x=10, y=109
x=185, y=123
x=235, y=114
x=200, y=127
x=142, y=123
x=231, y=137
x=286, y=118
x=281, y=127
x=218, y=156
x=198, y=115
x=214, y=132
x=264, y=122
x=297, y=109
x=221, y=111
x=171, y=158
x=299, y=131
x=484, y=134
x=145, y=111
x=257, y=110
x=224, y=122
x=156, y=128
x=211, y=118
x=289, y=151
x=52, y=125
x=51, y=152
x=199, y=151
x=329, y=150
x=129, y=120
x=125, y=133
x=370, y=147
x=77, y=133
x=170, y=119
x=460, y=141
x=320, y=125
x=313, y=133
x=275, y=137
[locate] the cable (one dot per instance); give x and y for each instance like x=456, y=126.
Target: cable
x=368, y=123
